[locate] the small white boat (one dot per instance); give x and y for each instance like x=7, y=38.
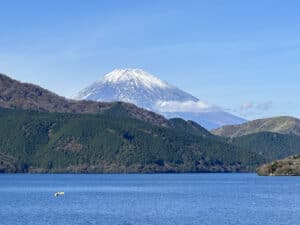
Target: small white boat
x=60, y=193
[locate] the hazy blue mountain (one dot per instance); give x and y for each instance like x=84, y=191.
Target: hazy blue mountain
x=145, y=90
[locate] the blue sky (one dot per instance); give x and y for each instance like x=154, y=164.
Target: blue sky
x=241, y=55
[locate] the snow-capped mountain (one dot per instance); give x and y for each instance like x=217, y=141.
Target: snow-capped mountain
x=145, y=90
x=135, y=86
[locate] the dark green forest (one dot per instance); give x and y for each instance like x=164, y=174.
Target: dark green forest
x=112, y=141
x=270, y=145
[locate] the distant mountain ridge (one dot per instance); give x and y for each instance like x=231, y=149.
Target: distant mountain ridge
x=273, y=138
x=145, y=90
x=282, y=125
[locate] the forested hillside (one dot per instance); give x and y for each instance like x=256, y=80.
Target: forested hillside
x=112, y=141
x=271, y=146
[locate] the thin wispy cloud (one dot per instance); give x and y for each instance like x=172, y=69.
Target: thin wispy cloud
x=250, y=109
x=264, y=106
x=186, y=106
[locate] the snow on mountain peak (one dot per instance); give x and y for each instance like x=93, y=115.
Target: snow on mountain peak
x=138, y=76
x=147, y=91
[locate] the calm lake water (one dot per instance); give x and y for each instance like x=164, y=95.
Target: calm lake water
x=202, y=199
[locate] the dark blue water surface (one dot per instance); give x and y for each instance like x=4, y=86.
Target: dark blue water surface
x=204, y=199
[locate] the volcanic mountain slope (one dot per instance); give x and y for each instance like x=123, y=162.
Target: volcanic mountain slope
x=282, y=125
x=135, y=86
x=147, y=91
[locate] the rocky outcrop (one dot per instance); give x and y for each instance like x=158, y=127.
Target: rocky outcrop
x=286, y=167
